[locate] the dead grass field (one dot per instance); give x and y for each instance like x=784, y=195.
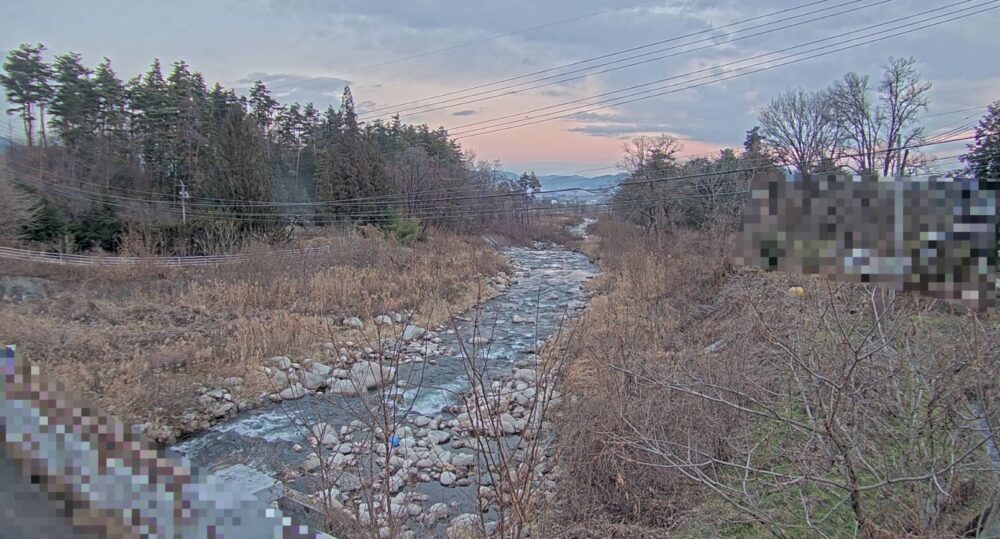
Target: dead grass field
x=715, y=401
x=138, y=341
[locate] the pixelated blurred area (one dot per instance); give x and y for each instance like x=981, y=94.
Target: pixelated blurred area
x=69, y=471
x=927, y=234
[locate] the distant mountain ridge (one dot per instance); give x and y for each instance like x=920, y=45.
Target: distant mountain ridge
x=571, y=181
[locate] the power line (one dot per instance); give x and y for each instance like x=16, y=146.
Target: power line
x=712, y=43
x=601, y=57
x=474, y=42
x=438, y=213
x=604, y=104
x=615, y=102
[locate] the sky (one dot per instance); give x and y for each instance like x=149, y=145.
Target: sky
x=396, y=54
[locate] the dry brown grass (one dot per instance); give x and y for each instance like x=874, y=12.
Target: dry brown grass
x=140, y=340
x=643, y=456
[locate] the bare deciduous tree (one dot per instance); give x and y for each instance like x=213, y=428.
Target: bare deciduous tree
x=16, y=206
x=878, y=132
x=799, y=129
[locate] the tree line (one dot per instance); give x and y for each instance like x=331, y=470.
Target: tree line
x=853, y=126
x=168, y=156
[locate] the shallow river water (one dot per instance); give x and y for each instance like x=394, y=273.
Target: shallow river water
x=547, y=292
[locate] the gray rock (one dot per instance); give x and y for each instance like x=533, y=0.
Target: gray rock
x=223, y=409
x=280, y=362
x=320, y=369
x=312, y=463
x=447, y=478
x=463, y=459
x=353, y=322
x=324, y=433
x=369, y=374
x=313, y=381
x=383, y=320
x=296, y=391
x=524, y=375
x=463, y=526
x=343, y=387
x=438, y=511
x=438, y=436
x=412, y=332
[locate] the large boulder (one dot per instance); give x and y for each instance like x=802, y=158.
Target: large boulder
x=369, y=374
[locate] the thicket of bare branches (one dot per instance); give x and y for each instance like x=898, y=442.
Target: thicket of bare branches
x=712, y=401
x=16, y=206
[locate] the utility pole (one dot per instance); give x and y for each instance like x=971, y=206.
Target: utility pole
x=184, y=196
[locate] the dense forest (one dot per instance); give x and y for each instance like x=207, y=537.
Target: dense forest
x=183, y=168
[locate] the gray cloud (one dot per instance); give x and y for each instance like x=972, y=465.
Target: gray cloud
x=288, y=87
x=463, y=113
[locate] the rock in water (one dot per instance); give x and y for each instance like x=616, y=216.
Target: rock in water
x=369, y=374
x=447, y=478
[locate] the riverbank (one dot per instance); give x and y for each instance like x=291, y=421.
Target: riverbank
x=716, y=401
x=446, y=424
x=153, y=345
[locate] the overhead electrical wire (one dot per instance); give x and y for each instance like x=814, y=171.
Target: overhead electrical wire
x=450, y=213
x=595, y=58
x=712, y=40
x=479, y=41
x=714, y=77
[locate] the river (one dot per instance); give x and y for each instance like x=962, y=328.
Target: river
x=545, y=295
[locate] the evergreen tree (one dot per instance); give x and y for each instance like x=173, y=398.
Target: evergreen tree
x=74, y=105
x=111, y=103
x=983, y=159
x=262, y=106
x=26, y=83
x=240, y=171
x=152, y=122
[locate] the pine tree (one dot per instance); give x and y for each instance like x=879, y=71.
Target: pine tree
x=74, y=103
x=26, y=82
x=112, y=102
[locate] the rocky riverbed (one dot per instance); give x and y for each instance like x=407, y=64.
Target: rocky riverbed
x=394, y=421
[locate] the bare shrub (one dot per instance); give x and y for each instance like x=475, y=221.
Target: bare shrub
x=712, y=402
